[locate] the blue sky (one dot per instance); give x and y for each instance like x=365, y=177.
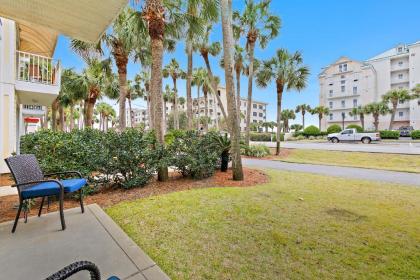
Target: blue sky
x=322, y=30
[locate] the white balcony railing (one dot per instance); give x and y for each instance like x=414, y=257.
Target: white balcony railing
x=35, y=68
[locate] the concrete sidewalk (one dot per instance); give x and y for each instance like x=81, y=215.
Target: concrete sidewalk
x=40, y=248
x=404, y=178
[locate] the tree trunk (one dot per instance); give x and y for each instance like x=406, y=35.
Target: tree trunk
x=61, y=117
x=165, y=121
x=81, y=115
x=90, y=105
x=45, y=124
x=54, y=108
x=213, y=84
x=122, y=78
x=71, y=117
x=249, y=101
x=362, y=121
x=319, y=121
x=156, y=89
x=131, y=115
x=189, y=80
x=176, y=116
x=303, y=119
x=206, y=112
x=280, y=88
x=376, y=122
x=226, y=12
x=198, y=107
x=394, y=110
x=238, y=91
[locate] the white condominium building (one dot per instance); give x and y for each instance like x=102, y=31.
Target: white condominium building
x=348, y=83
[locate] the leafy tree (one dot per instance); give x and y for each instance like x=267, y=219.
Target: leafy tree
x=257, y=24
x=287, y=115
x=287, y=71
x=321, y=111
x=359, y=111
x=296, y=127
x=394, y=97
x=377, y=109
x=106, y=112
x=303, y=108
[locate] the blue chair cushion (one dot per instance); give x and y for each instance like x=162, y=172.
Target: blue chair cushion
x=51, y=188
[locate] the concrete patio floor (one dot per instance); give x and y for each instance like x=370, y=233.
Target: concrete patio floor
x=40, y=248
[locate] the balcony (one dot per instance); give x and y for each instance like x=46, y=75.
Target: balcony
x=37, y=78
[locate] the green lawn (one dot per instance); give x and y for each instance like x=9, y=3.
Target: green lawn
x=407, y=163
x=299, y=226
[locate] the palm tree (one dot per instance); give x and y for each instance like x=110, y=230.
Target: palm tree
x=303, y=108
x=206, y=84
x=198, y=77
x=143, y=80
x=321, y=111
x=394, y=97
x=296, y=127
x=287, y=115
x=234, y=125
x=168, y=96
x=287, y=71
x=359, y=111
x=175, y=72
x=203, y=45
x=266, y=125
x=258, y=24
x=377, y=109
x=202, y=11
x=106, y=112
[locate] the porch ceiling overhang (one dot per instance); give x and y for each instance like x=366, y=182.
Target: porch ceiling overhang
x=79, y=19
x=37, y=39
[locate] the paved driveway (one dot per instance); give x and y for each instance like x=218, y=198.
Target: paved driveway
x=40, y=248
x=402, y=147
x=338, y=171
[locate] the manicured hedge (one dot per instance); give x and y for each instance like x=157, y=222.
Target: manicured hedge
x=415, y=134
x=311, y=131
x=389, y=134
x=264, y=137
x=335, y=128
x=355, y=126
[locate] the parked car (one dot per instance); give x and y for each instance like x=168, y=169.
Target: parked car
x=351, y=135
x=405, y=131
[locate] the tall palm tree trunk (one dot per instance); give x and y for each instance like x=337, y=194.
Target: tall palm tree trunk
x=122, y=78
x=54, y=108
x=61, y=117
x=249, y=101
x=394, y=110
x=164, y=114
x=189, y=81
x=303, y=119
x=213, y=83
x=90, y=105
x=280, y=88
x=206, y=112
x=376, y=121
x=198, y=108
x=319, y=121
x=45, y=124
x=176, y=115
x=131, y=115
x=71, y=117
x=226, y=12
x=362, y=121
x=238, y=91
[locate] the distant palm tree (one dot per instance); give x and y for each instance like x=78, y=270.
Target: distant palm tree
x=199, y=75
x=303, y=108
x=296, y=127
x=168, y=97
x=321, y=111
x=257, y=24
x=377, y=109
x=106, y=112
x=394, y=97
x=287, y=71
x=359, y=111
x=175, y=72
x=287, y=115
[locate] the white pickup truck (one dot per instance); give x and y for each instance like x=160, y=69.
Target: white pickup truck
x=353, y=135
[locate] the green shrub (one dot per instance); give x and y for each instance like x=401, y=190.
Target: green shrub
x=298, y=133
x=127, y=159
x=415, y=134
x=311, y=131
x=355, y=126
x=389, y=134
x=194, y=155
x=300, y=137
x=264, y=137
x=335, y=128
x=256, y=151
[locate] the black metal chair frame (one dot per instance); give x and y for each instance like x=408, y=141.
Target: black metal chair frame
x=74, y=268
x=23, y=186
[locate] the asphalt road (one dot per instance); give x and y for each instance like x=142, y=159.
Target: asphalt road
x=404, y=178
x=403, y=147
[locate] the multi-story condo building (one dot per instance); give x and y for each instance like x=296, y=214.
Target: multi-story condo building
x=348, y=83
x=140, y=116
x=29, y=76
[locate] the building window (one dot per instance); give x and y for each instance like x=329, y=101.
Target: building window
x=254, y=114
x=343, y=82
x=400, y=63
x=331, y=117
x=218, y=92
x=331, y=105
x=343, y=77
x=400, y=49
x=354, y=90
x=355, y=117
x=343, y=103
x=354, y=103
x=260, y=114
x=401, y=114
x=254, y=121
x=356, y=80
x=343, y=67
x=331, y=93
x=400, y=76
x=260, y=107
x=331, y=84
x=343, y=88
x=401, y=101
x=254, y=106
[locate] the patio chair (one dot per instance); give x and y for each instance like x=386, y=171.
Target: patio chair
x=76, y=267
x=31, y=182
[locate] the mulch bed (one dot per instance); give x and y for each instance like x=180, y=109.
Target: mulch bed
x=109, y=197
